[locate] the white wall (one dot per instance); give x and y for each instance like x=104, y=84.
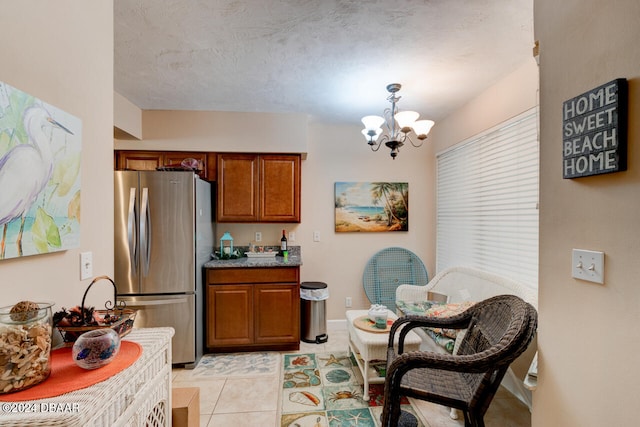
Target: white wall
x=62, y=53
x=127, y=118
x=221, y=131
x=515, y=93
x=588, y=342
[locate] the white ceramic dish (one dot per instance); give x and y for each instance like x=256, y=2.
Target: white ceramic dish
x=260, y=254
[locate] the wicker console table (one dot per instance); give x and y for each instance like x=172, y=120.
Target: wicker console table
x=368, y=346
x=139, y=395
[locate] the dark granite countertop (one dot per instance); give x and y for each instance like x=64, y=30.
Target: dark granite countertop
x=295, y=260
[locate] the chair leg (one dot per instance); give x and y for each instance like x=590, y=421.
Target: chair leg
x=391, y=407
x=453, y=414
x=390, y=414
x=467, y=419
x=473, y=420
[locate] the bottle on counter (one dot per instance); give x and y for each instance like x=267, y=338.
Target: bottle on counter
x=283, y=242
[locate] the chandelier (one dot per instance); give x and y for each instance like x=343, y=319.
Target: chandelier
x=399, y=127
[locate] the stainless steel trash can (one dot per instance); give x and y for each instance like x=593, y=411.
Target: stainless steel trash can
x=313, y=318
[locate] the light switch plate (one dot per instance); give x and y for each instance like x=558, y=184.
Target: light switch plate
x=588, y=265
x=86, y=265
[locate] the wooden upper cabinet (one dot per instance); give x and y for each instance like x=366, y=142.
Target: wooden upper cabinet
x=258, y=188
x=237, y=188
x=151, y=160
x=212, y=166
x=138, y=160
x=280, y=188
x=175, y=158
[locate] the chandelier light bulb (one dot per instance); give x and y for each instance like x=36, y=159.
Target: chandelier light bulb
x=372, y=122
x=422, y=128
x=406, y=119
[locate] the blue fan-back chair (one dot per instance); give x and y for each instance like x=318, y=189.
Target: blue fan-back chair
x=388, y=269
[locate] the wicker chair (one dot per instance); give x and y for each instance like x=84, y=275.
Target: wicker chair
x=498, y=330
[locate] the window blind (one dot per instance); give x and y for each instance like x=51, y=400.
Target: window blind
x=487, y=201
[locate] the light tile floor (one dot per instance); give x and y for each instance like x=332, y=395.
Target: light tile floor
x=254, y=402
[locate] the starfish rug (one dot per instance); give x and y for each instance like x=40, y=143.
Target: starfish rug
x=325, y=390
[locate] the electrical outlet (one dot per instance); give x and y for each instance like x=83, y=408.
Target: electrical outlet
x=347, y=302
x=86, y=265
x=258, y=236
x=292, y=236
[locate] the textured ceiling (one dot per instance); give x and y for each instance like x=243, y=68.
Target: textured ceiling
x=331, y=59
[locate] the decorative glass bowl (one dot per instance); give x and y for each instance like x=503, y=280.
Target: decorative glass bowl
x=96, y=348
x=25, y=346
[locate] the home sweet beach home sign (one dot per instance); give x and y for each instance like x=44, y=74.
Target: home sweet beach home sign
x=594, y=129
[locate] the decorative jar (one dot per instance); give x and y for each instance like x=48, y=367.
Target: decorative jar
x=378, y=314
x=25, y=345
x=96, y=348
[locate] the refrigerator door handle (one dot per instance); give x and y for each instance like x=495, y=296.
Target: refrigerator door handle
x=156, y=302
x=131, y=230
x=145, y=232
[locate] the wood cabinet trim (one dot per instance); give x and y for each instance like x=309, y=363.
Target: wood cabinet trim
x=237, y=275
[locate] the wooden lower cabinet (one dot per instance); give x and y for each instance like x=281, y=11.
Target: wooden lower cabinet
x=230, y=315
x=277, y=311
x=252, y=309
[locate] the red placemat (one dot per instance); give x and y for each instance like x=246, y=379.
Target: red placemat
x=66, y=376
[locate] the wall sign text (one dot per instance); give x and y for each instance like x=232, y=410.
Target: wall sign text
x=594, y=131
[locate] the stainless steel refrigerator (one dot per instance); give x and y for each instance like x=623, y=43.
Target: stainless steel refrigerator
x=164, y=233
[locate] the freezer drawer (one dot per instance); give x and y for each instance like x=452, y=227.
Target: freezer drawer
x=177, y=311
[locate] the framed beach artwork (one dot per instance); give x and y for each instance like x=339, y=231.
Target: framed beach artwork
x=371, y=206
x=40, y=149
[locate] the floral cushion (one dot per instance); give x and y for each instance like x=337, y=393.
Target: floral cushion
x=442, y=336
x=447, y=310
x=417, y=307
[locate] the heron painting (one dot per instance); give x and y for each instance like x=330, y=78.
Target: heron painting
x=40, y=148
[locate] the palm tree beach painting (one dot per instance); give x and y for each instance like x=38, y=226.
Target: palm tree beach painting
x=39, y=176
x=372, y=206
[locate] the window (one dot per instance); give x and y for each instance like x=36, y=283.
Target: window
x=487, y=201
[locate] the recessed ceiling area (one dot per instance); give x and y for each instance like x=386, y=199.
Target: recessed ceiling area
x=330, y=59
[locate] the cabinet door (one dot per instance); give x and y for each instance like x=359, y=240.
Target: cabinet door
x=138, y=160
x=229, y=315
x=279, y=188
x=277, y=311
x=175, y=158
x=237, y=188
